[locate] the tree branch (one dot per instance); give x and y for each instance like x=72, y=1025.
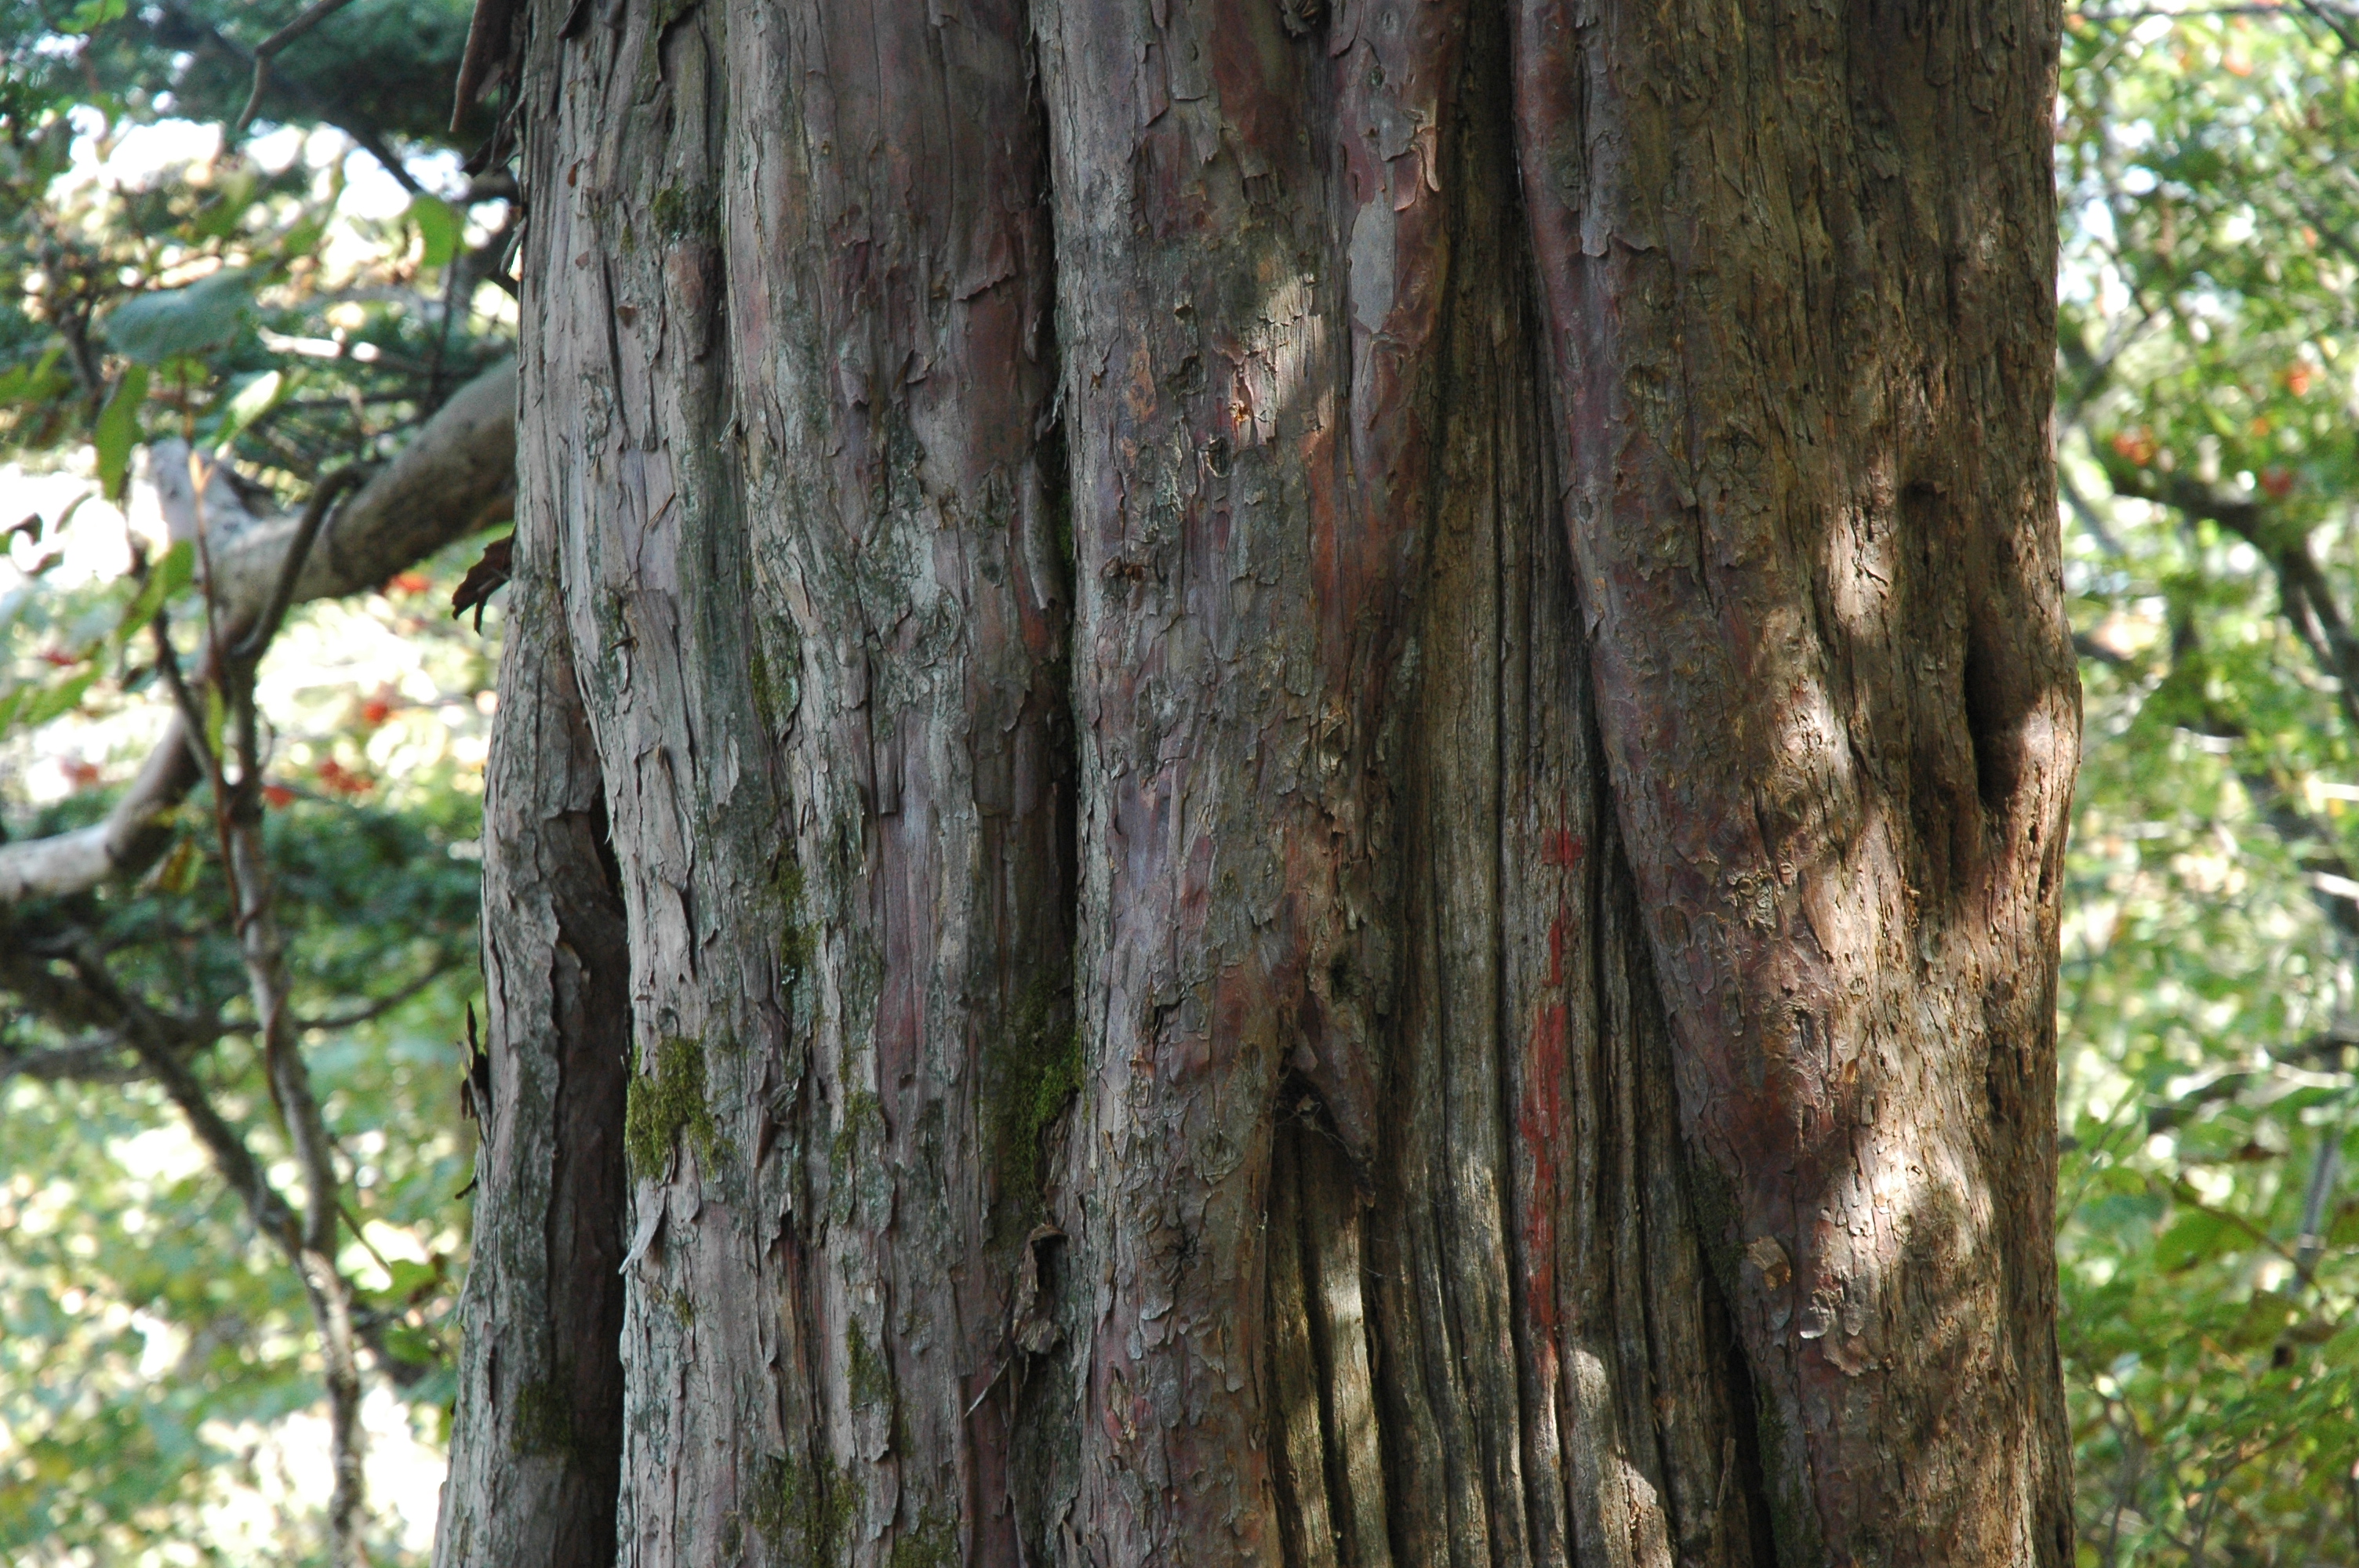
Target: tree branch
x=235, y=1162
x=456, y=477
x=267, y=51
x=2309, y=599
x=254, y=907
x=487, y=45
x=97, y=1057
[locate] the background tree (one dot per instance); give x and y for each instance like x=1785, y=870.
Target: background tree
x=1328, y=855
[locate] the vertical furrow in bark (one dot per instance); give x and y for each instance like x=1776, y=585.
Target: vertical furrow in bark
x=1454, y=1220
x=890, y=283
x=1374, y=1236
x=536, y=1440
x=1610, y=1386
x=1336, y=1279
x=1551, y=1015
x=624, y=441
x=1299, y=1430
x=1706, y=1480
x=1250, y=265
x=788, y=396
x=1797, y=267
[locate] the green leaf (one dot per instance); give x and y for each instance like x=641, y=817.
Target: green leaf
x=2194, y=1237
x=438, y=226
x=304, y=238
x=2265, y=1316
x=172, y=322
x=249, y=403
x=411, y=1278
x=117, y=430
x=92, y=15
x=169, y=575
x=2121, y=1180
x=36, y=383
x=28, y=707
x=413, y=1345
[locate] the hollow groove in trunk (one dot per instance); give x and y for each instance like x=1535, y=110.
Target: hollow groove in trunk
x=536, y=1433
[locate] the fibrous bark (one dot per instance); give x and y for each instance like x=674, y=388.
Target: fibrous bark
x=1320, y=783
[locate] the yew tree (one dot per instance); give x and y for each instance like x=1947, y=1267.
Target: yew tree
x=1276, y=783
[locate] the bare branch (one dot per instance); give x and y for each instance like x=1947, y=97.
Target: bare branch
x=366, y=139
x=2308, y=600
x=307, y=1240
x=375, y=1010
x=235, y=1162
x=98, y=1057
x=298, y=551
x=311, y=17
x=83, y=1062
x=457, y=476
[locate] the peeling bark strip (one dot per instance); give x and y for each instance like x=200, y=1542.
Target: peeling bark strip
x=1798, y=269
x=1147, y=1039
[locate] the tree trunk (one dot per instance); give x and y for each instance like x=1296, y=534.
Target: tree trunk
x=1336, y=741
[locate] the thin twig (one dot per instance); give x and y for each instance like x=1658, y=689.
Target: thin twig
x=97, y=1058
x=269, y=1212
x=363, y=138
x=375, y=1010
x=267, y=51
x=2310, y=1241
x=2344, y=28
x=2181, y=1192
x=298, y=550
x=237, y=814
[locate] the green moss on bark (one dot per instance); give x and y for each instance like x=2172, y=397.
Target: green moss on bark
x=870, y=1378
x=1034, y=1071
x=683, y=215
x=795, y=943
x=544, y=1419
x=803, y=1513
x=862, y=1113
x=933, y=1544
x=667, y=1104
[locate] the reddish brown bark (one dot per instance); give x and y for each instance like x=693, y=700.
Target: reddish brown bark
x=1798, y=273
x=1144, y=927
x=1250, y=435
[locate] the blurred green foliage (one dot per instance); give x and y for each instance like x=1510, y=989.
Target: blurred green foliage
x=2209, y=438
x=146, y=1333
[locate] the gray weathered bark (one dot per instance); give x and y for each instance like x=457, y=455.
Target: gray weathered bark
x=1090, y=532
